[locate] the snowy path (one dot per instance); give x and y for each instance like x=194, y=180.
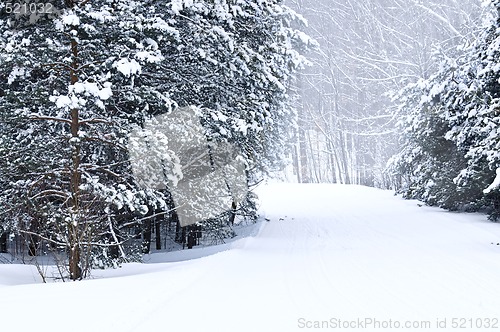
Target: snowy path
x=328, y=252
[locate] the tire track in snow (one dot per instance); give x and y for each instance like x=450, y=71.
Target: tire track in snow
x=379, y=255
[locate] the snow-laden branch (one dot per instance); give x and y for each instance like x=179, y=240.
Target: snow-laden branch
x=374, y=66
x=115, y=238
x=439, y=17
x=58, y=243
x=495, y=184
x=375, y=117
x=387, y=132
x=50, y=193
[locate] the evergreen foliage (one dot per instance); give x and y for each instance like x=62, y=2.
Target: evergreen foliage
x=75, y=84
x=450, y=122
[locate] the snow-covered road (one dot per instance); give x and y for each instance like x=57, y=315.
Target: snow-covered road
x=328, y=254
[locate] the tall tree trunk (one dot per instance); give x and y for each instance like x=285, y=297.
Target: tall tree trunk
x=313, y=167
x=158, y=232
x=232, y=214
x=296, y=163
x=180, y=235
x=146, y=237
x=33, y=244
x=304, y=174
x=344, y=164
x=3, y=242
x=73, y=225
x=32, y=239
x=75, y=270
x=331, y=158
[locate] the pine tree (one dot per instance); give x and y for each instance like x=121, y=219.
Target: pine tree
x=456, y=117
x=473, y=109
x=72, y=78
x=81, y=81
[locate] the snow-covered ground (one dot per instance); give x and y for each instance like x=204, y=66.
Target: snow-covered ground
x=328, y=255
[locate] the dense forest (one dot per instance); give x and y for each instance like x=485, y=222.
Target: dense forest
x=127, y=123
x=86, y=86
x=403, y=94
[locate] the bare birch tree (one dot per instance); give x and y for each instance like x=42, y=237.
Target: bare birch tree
x=367, y=50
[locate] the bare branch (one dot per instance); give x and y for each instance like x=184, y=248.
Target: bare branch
x=48, y=118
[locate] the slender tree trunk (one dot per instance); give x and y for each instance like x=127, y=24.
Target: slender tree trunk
x=343, y=159
x=33, y=240
x=146, y=237
x=73, y=225
x=304, y=176
x=232, y=215
x=331, y=149
x=296, y=163
x=158, y=233
x=33, y=244
x=3, y=242
x=74, y=262
x=313, y=167
x=191, y=235
x=180, y=236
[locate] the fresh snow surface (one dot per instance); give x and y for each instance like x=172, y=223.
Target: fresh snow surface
x=326, y=253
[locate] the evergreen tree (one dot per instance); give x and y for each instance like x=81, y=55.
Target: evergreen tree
x=76, y=83
x=69, y=162
x=451, y=127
